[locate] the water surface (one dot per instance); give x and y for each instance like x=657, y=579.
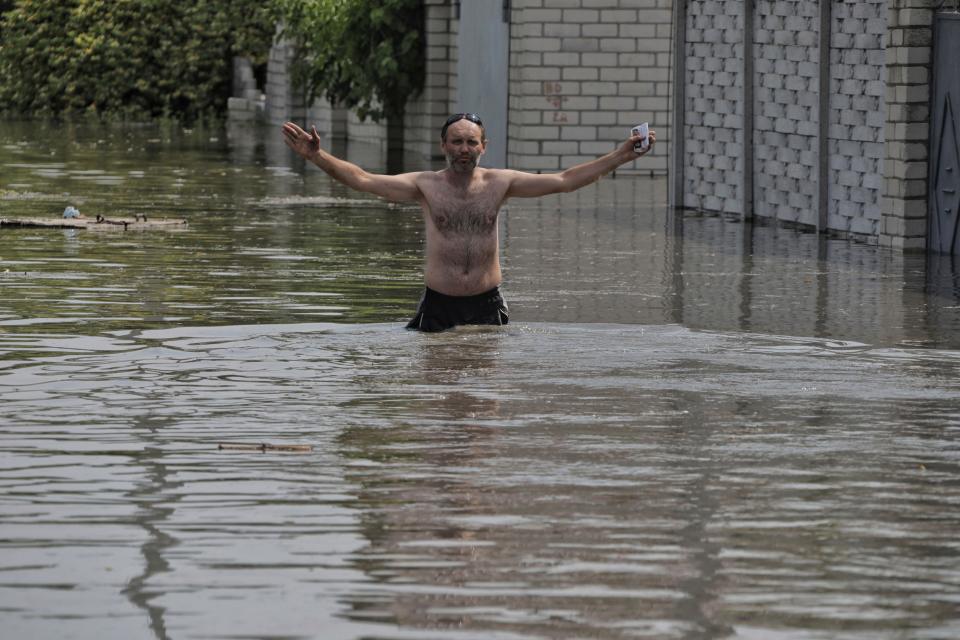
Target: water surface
x=692, y=428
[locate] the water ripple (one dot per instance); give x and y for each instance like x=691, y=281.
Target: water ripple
x=542, y=481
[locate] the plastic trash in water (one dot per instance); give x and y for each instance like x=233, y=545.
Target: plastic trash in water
x=71, y=212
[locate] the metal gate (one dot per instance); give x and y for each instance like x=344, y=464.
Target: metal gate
x=944, y=195
x=482, y=70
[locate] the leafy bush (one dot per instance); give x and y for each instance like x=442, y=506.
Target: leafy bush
x=363, y=54
x=127, y=57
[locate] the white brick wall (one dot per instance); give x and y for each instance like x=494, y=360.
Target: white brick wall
x=581, y=75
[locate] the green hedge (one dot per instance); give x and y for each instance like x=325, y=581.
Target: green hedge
x=367, y=55
x=132, y=58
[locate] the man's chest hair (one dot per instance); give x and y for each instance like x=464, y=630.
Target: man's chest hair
x=466, y=212
x=480, y=198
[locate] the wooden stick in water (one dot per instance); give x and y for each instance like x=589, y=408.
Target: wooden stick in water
x=265, y=446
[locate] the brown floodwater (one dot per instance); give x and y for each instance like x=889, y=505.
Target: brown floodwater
x=691, y=428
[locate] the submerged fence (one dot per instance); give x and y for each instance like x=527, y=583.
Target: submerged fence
x=814, y=113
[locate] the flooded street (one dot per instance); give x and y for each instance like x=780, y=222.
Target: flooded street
x=691, y=428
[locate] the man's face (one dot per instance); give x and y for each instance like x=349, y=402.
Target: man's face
x=463, y=146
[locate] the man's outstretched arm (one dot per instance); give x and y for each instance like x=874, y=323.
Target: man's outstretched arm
x=531, y=185
x=399, y=188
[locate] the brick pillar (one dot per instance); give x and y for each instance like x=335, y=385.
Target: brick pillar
x=426, y=113
x=284, y=101
x=245, y=103
x=908, y=42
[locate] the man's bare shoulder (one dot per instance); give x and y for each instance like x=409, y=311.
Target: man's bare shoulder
x=430, y=175
x=430, y=178
x=498, y=174
x=493, y=176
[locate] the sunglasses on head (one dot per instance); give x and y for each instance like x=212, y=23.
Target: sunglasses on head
x=472, y=117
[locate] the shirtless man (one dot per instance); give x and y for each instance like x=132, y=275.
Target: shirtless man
x=460, y=206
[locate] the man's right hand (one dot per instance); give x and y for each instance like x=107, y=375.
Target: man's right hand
x=306, y=145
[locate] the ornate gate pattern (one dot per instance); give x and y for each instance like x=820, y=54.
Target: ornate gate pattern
x=944, y=197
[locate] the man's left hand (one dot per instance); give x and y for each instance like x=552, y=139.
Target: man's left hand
x=628, y=146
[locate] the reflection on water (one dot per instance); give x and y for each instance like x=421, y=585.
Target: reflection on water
x=542, y=481
x=691, y=429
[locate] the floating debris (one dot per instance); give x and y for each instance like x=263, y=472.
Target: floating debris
x=9, y=194
x=265, y=446
x=138, y=222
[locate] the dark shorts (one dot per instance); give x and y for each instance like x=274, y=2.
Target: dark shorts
x=438, y=312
